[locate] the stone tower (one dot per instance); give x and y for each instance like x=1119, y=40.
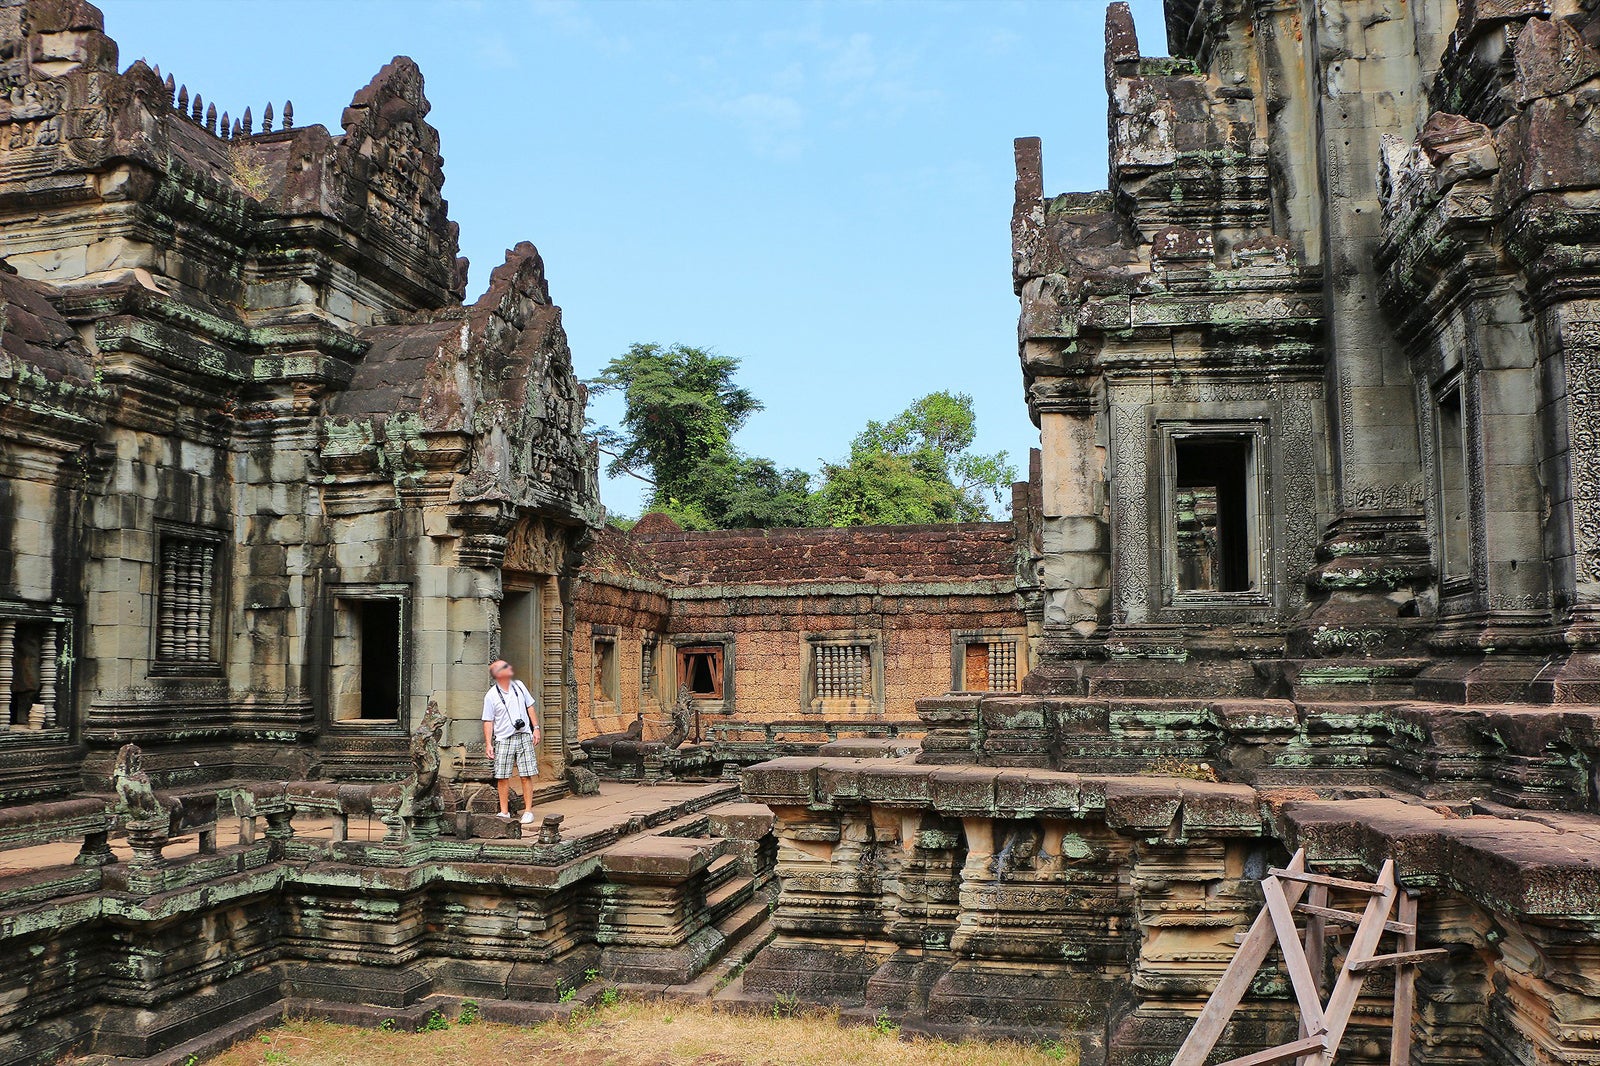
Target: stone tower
x=1310, y=373
x=266, y=479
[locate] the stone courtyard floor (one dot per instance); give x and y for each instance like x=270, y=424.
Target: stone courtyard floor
x=634, y=1033
x=618, y=810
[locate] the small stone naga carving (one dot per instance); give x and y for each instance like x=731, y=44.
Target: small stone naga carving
x=422, y=794
x=681, y=711
x=136, y=799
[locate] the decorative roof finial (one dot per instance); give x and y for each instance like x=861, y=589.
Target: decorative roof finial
x=249, y=122
x=211, y=118
x=288, y=114
x=183, y=99
x=266, y=119
x=196, y=110
x=227, y=130
x=172, y=89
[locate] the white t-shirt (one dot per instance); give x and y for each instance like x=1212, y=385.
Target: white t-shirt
x=503, y=708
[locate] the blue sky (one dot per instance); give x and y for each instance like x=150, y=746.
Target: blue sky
x=820, y=189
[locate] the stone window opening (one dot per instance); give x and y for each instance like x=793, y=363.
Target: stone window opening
x=186, y=607
x=1212, y=533
x=30, y=672
x=368, y=659
x=844, y=675
x=700, y=670
x=1455, y=521
x=605, y=670
x=987, y=660
x=989, y=666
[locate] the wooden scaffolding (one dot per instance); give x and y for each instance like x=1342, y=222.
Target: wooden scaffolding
x=1294, y=892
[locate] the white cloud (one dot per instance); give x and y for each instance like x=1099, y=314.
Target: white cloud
x=811, y=76
x=572, y=19
x=772, y=123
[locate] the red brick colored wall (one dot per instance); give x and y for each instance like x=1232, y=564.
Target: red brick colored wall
x=864, y=553
x=908, y=588
x=615, y=599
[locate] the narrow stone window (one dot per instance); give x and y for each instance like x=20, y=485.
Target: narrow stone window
x=1213, y=537
x=367, y=660
x=843, y=676
x=605, y=671
x=989, y=666
x=186, y=601
x=1454, y=520
x=700, y=671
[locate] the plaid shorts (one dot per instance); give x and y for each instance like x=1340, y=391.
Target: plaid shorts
x=515, y=756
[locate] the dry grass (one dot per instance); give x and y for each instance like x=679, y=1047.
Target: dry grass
x=634, y=1033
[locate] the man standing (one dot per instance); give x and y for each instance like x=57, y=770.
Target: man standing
x=511, y=736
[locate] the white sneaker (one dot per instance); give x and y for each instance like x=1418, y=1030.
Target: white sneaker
x=527, y=817
x=504, y=815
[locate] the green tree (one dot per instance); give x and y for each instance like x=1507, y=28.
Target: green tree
x=681, y=408
x=916, y=468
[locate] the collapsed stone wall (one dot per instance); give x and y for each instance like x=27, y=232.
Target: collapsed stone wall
x=188, y=942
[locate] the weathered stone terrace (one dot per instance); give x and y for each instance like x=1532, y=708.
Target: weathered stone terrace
x=1524, y=755
x=126, y=939
x=1108, y=905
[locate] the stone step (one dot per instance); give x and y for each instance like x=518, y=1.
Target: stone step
x=723, y=868
x=661, y=858
x=728, y=896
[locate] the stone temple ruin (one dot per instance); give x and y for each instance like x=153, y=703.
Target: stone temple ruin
x=1309, y=563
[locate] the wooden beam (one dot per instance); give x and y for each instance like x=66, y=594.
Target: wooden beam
x=1316, y=944
x=1236, y=979
x=1404, y=988
x=1399, y=958
x=1345, y=991
x=1323, y=879
x=1281, y=1053
x=1350, y=919
x=1294, y=955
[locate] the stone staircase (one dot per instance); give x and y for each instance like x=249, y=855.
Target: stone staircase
x=672, y=903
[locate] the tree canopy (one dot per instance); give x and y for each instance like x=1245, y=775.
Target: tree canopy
x=917, y=467
x=682, y=407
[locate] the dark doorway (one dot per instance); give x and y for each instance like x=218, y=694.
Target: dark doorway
x=380, y=659
x=1212, y=524
x=26, y=667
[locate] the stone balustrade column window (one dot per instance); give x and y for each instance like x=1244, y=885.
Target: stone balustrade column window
x=986, y=660
x=844, y=675
x=186, y=601
x=31, y=678
x=843, y=671
x=647, y=667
